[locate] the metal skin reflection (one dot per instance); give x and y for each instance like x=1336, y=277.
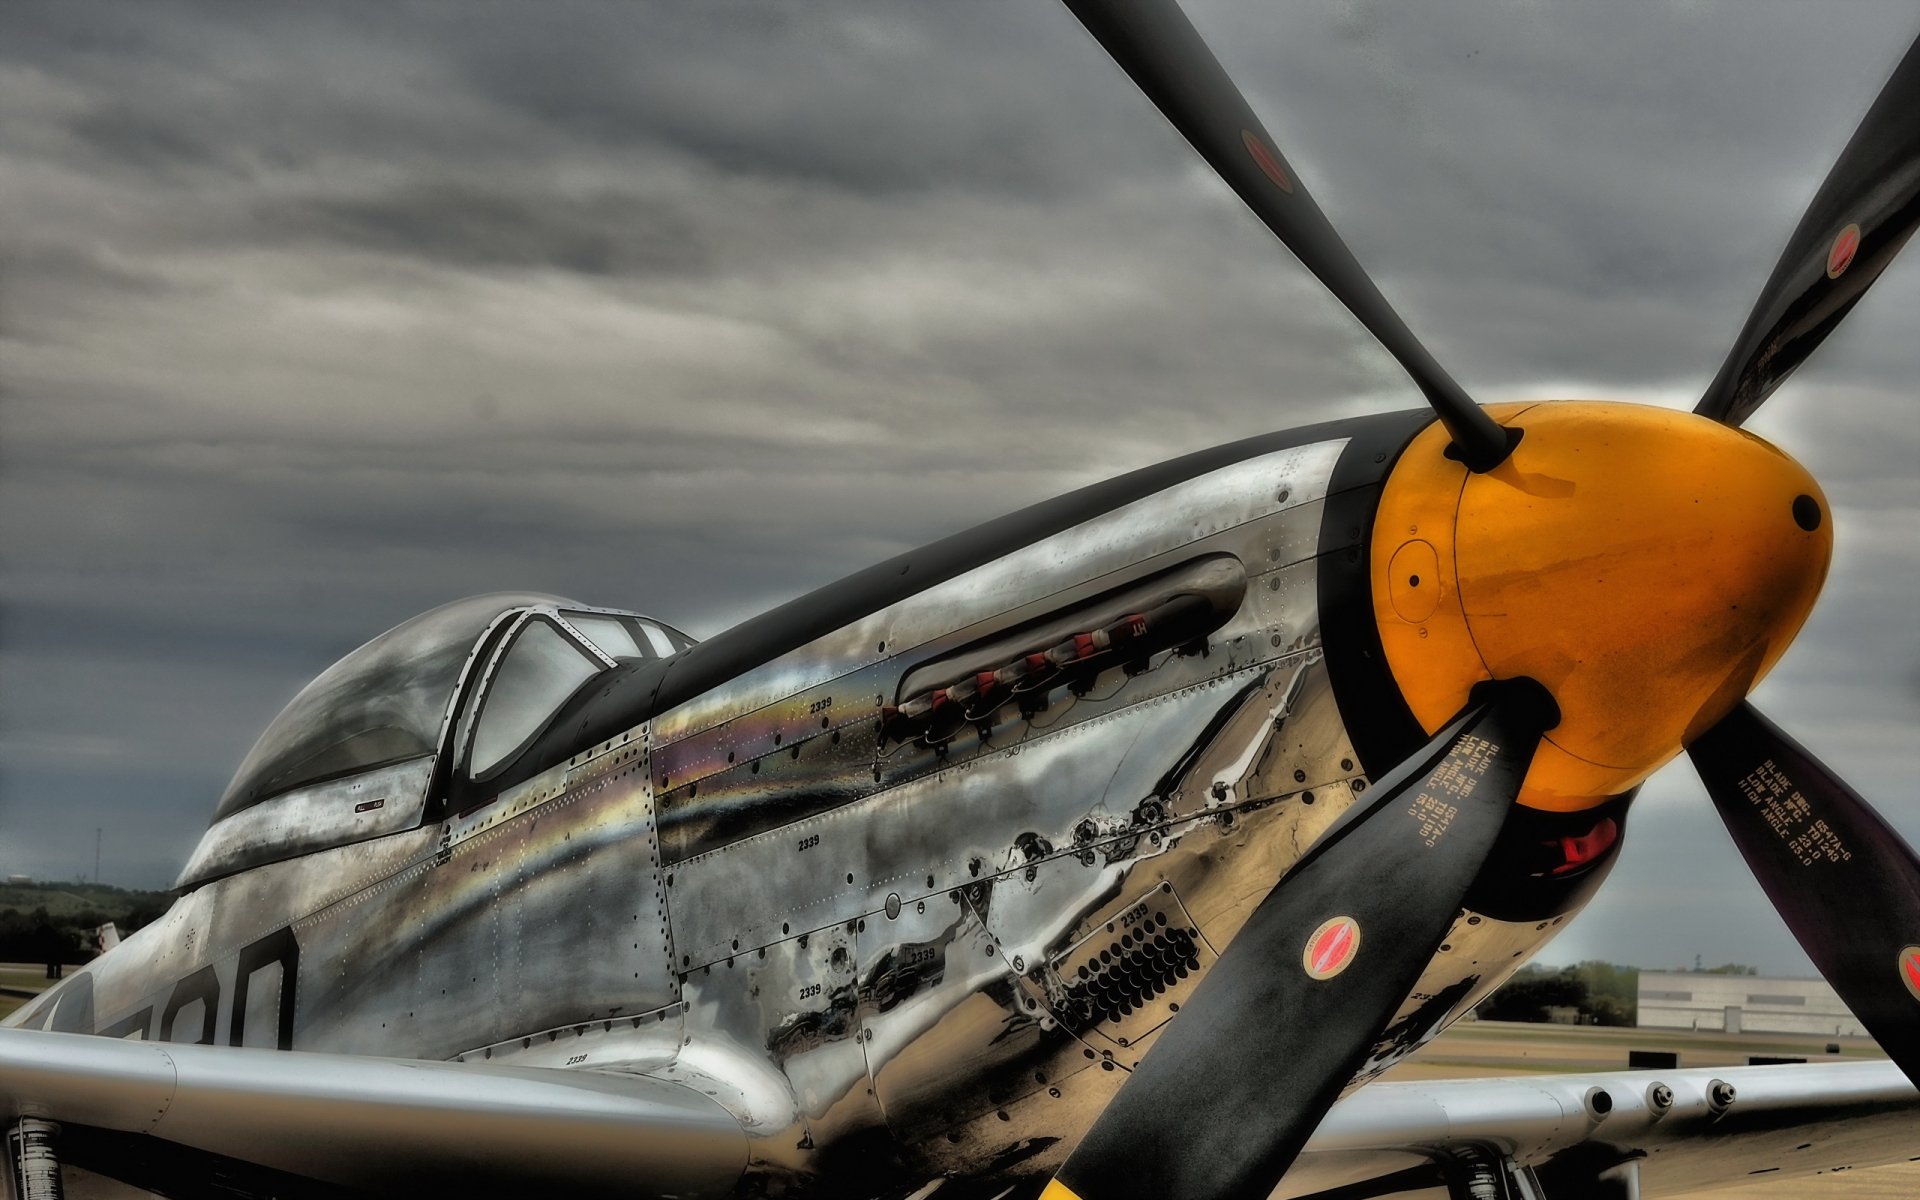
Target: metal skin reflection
x=894, y=961
x=1019, y=861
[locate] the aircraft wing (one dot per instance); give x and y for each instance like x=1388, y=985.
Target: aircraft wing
x=1776, y=1122
x=304, y=1124
x=295, y=1123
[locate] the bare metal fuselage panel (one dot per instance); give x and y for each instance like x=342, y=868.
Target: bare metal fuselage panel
x=761, y=887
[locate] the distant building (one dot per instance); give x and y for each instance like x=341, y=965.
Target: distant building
x=19, y=879
x=1743, y=1004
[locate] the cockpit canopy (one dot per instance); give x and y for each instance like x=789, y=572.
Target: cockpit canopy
x=381, y=704
x=394, y=699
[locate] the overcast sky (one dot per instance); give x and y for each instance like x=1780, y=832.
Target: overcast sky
x=313, y=317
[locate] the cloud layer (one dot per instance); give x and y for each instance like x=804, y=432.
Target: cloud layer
x=313, y=317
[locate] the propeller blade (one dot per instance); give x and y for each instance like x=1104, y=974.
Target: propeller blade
x=1844, y=881
x=1154, y=43
x=1238, y=1080
x=1859, y=219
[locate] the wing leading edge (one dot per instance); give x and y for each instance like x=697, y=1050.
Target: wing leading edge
x=1718, y=1126
x=371, y=1124
x=340, y=1122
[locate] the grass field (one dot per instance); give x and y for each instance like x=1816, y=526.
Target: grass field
x=1482, y=1048
x=19, y=977
x=66, y=900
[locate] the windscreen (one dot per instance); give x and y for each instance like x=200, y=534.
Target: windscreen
x=620, y=635
x=382, y=704
x=540, y=670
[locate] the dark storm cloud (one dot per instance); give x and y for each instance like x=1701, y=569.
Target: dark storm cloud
x=314, y=316
x=118, y=132
x=28, y=267
x=460, y=225
x=910, y=98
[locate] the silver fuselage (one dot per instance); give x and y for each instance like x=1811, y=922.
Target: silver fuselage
x=891, y=961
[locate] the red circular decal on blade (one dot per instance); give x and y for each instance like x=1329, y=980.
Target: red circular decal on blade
x=1840, y=256
x=1265, y=160
x=1331, y=948
x=1910, y=970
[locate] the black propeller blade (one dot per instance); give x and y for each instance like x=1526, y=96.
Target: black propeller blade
x=1238, y=1081
x=1153, y=41
x=1858, y=221
x=1845, y=882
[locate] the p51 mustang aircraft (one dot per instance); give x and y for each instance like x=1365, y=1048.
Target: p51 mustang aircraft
x=1096, y=852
